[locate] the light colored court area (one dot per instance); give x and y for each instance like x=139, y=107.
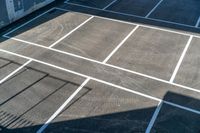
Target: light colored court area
x=93, y=66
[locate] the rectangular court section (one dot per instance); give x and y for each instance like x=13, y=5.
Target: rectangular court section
x=106, y=73
x=40, y=89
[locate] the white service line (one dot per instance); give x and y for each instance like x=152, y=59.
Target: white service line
x=113, y=66
x=121, y=43
x=102, y=81
x=181, y=59
x=198, y=23
x=52, y=45
x=153, y=119
x=60, y=109
x=132, y=23
x=131, y=15
x=14, y=72
x=153, y=9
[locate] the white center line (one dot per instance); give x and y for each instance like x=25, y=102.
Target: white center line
x=122, y=42
x=52, y=45
x=153, y=119
x=181, y=59
x=153, y=9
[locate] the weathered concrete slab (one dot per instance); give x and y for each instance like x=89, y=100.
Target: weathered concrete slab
x=152, y=52
x=96, y=39
x=189, y=73
x=129, y=80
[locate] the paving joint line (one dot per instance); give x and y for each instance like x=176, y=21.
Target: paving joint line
x=104, y=82
x=72, y=31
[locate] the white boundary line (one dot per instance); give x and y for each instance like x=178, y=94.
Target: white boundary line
x=110, y=65
x=121, y=43
x=198, y=22
x=102, y=81
x=131, y=15
x=153, y=119
x=181, y=59
x=153, y=9
x=59, y=110
x=141, y=25
x=14, y=72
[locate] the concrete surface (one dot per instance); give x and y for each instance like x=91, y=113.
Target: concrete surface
x=70, y=88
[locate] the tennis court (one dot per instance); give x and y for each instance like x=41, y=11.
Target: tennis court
x=79, y=68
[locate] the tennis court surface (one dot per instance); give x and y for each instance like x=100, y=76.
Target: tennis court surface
x=93, y=66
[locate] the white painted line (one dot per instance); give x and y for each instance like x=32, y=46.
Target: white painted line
x=52, y=45
x=198, y=23
x=110, y=4
x=121, y=43
x=82, y=75
x=153, y=9
x=181, y=59
x=14, y=72
x=182, y=107
x=131, y=15
x=113, y=66
x=102, y=81
x=141, y=25
x=153, y=119
x=28, y=22
x=60, y=109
